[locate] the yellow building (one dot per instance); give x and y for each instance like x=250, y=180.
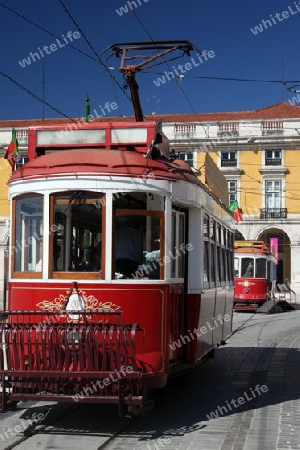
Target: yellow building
x=259, y=154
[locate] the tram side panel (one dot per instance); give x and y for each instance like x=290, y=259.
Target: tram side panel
x=145, y=305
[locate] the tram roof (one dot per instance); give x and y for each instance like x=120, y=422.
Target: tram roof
x=251, y=247
x=103, y=161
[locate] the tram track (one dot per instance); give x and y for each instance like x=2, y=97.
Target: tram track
x=36, y=427
x=110, y=441
x=59, y=426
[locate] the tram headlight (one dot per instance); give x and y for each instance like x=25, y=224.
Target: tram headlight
x=246, y=291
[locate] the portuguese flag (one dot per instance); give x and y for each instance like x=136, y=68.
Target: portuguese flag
x=237, y=211
x=12, y=151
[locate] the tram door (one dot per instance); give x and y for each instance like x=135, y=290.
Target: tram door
x=178, y=287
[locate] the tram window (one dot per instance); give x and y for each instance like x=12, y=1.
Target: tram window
x=224, y=264
x=230, y=274
x=224, y=237
x=173, y=244
x=220, y=268
x=138, y=245
x=218, y=239
x=206, y=270
x=76, y=224
x=212, y=230
x=236, y=267
x=205, y=226
x=212, y=265
x=27, y=245
x=177, y=254
x=220, y=276
x=260, y=268
x=181, y=243
x=271, y=271
x=247, y=267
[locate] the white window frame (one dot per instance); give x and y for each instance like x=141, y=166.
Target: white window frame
x=238, y=184
x=273, y=178
x=229, y=151
x=273, y=150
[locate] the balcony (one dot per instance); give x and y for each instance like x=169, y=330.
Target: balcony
x=273, y=162
x=273, y=213
x=272, y=128
x=228, y=162
x=228, y=130
x=22, y=136
x=184, y=131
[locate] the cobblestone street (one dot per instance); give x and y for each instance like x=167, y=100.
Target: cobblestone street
x=245, y=398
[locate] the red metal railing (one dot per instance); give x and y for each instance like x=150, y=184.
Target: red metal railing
x=76, y=355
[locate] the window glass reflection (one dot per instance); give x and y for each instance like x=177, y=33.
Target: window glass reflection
x=28, y=240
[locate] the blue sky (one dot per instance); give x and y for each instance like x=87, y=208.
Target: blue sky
x=223, y=28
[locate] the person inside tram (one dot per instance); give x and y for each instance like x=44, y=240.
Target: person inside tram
x=249, y=270
x=75, y=265
x=128, y=249
x=91, y=263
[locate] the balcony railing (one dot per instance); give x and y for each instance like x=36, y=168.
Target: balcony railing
x=273, y=161
x=228, y=162
x=184, y=131
x=273, y=213
x=22, y=136
x=270, y=127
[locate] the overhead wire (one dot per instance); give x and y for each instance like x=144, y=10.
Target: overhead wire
x=96, y=59
x=36, y=97
x=220, y=78
x=47, y=31
x=92, y=48
x=178, y=83
x=246, y=80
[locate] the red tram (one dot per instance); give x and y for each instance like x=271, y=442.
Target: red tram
x=121, y=267
x=77, y=315
x=255, y=274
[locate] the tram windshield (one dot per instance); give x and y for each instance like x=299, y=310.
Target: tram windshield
x=77, y=231
x=247, y=265
x=253, y=268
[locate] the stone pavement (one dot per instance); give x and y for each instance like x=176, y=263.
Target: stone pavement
x=246, y=398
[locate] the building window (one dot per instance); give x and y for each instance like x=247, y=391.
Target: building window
x=21, y=160
x=232, y=191
x=273, y=157
x=187, y=157
x=228, y=159
x=273, y=194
